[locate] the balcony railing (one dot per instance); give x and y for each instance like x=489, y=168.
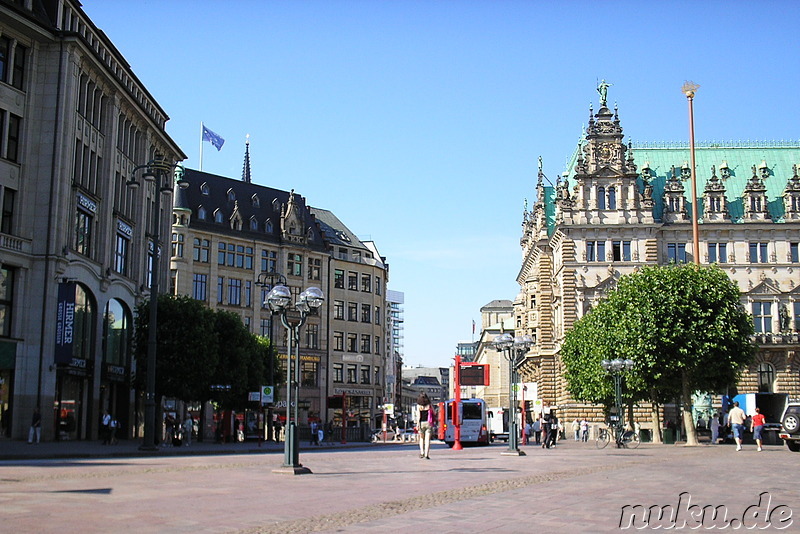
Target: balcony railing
x=782, y=338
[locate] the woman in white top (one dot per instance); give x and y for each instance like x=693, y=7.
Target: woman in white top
x=426, y=418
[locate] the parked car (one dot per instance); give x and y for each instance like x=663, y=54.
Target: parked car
x=790, y=426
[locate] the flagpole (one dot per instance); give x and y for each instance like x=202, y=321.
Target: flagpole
x=201, y=146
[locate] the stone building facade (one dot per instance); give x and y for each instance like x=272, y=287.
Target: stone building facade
x=622, y=206
x=233, y=240
x=75, y=122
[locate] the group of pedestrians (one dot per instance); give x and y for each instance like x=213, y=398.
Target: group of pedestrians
x=545, y=429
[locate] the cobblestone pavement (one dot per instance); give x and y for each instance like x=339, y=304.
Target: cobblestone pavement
x=378, y=488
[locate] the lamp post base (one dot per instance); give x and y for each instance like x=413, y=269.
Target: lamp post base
x=292, y=470
x=511, y=452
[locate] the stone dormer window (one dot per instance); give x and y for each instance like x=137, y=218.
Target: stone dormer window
x=310, y=234
x=201, y=213
x=218, y=217
x=276, y=205
x=763, y=169
x=268, y=227
x=724, y=170
x=254, y=200
x=204, y=189
x=685, y=171
x=231, y=195
x=253, y=224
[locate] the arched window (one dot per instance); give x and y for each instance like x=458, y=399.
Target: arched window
x=231, y=195
x=612, y=198
x=601, y=198
x=256, y=202
x=218, y=217
x=766, y=378
x=83, y=326
x=204, y=190
x=117, y=333
x=253, y=224
x=201, y=213
x=268, y=227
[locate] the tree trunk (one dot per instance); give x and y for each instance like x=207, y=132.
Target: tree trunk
x=686, y=407
x=656, y=420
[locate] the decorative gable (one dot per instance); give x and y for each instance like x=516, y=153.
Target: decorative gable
x=292, y=222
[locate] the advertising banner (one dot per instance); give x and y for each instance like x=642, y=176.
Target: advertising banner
x=65, y=322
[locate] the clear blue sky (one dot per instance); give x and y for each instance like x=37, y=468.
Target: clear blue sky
x=420, y=123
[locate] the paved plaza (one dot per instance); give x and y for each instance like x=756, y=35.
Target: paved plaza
x=384, y=488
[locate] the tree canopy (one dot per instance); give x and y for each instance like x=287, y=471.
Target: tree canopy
x=682, y=325
x=198, y=347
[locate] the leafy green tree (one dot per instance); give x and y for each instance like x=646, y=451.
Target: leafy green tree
x=682, y=325
x=186, y=353
x=242, y=360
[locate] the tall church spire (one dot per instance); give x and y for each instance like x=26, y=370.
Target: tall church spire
x=246, y=168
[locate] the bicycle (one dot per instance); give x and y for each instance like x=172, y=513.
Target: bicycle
x=625, y=439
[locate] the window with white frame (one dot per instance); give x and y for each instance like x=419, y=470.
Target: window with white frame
x=758, y=252
x=717, y=253
x=762, y=317
x=676, y=252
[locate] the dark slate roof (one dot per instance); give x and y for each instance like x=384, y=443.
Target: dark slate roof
x=268, y=207
x=498, y=304
x=335, y=231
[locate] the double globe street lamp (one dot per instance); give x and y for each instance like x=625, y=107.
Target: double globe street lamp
x=616, y=367
x=279, y=300
x=514, y=350
x=157, y=173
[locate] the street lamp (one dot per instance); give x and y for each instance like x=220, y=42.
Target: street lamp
x=514, y=350
x=616, y=367
x=689, y=89
x=155, y=172
x=268, y=279
x=293, y=317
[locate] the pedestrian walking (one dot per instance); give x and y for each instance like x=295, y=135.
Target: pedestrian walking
x=714, y=424
x=105, y=424
x=576, y=429
x=426, y=419
x=113, y=425
x=537, y=429
x=35, y=432
x=188, y=427
x=314, y=438
x=757, y=426
x=736, y=417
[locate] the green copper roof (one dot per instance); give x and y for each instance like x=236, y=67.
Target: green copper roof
x=740, y=156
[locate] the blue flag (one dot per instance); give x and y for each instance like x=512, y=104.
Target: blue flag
x=213, y=138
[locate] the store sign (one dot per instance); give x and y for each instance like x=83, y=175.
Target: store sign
x=65, y=322
x=353, y=391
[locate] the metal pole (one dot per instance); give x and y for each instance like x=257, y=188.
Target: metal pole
x=513, y=447
x=618, y=401
x=296, y=385
x=689, y=90
x=457, y=408
x=288, y=446
x=149, y=438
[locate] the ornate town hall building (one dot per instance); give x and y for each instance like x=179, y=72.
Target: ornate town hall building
x=622, y=206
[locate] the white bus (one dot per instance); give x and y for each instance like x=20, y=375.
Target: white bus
x=472, y=415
